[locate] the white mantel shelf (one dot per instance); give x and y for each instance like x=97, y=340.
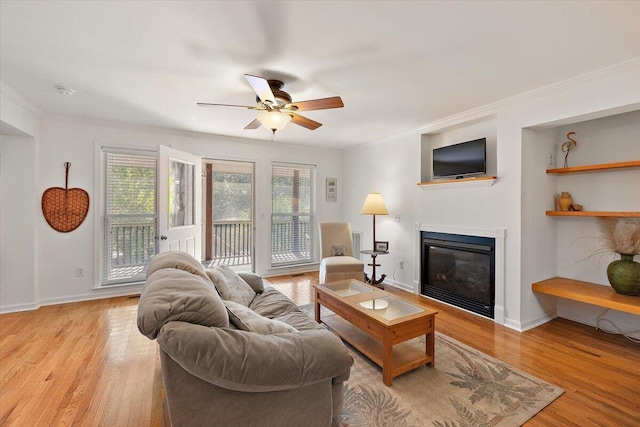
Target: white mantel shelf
x=482, y=181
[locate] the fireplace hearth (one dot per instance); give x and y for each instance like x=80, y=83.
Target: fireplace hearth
x=459, y=270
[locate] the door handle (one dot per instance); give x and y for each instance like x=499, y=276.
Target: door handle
x=163, y=237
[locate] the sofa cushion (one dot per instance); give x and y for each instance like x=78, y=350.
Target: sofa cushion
x=254, y=280
x=176, y=260
x=171, y=294
x=230, y=286
x=248, y=320
x=272, y=303
x=299, y=320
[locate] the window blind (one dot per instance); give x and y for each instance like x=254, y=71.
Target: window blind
x=292, y=214
x=129, y=215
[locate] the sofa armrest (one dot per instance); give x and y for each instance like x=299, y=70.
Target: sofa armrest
x=246, y=361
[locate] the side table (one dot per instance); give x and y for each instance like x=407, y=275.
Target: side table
x=373, y=265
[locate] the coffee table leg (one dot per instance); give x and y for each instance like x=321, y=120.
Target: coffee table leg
x=317, y=312
x=387, y=362
x=430, y=347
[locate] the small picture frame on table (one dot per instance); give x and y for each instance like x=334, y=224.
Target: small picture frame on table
x=381, y=246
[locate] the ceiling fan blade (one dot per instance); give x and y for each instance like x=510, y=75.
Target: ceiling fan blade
x=253, y=125
x=317, y=104
x=206, y=104
x=304, y=122
x=261, y=86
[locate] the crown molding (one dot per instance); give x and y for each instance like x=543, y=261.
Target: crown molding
x=7, y=92
x=175, y=132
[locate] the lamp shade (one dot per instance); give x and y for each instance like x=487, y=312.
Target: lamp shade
x=274, y=120
x=374, y=205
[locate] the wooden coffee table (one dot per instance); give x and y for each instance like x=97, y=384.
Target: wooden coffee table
x=379, y=333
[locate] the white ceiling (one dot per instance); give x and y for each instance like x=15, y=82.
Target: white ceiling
x=397, y=65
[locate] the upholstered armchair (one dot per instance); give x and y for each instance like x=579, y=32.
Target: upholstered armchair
x=336, y=247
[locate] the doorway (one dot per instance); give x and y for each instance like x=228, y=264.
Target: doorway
x=228, y=225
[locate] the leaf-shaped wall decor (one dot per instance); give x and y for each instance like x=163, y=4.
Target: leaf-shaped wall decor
x=65, y=208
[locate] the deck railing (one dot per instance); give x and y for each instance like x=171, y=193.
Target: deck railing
x=133, y=241
x=232, y=242
x=291, y=238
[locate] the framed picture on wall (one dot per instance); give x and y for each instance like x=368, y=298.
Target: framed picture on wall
x=332, y=189
x=381, y=246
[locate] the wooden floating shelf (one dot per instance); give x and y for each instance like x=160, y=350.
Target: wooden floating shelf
x=587, y=292
x=483, y=181
x=600, y=167
x=595, y=214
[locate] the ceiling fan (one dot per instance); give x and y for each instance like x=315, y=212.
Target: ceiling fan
x=276, y=108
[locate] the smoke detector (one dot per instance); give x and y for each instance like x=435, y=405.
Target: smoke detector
x=65, y=91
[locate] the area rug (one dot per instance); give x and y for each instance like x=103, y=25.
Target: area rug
x=465, y=388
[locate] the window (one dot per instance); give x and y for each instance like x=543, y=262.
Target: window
x=292, y=214
x=129, y=219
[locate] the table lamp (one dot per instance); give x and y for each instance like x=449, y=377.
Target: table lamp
x=374, y=205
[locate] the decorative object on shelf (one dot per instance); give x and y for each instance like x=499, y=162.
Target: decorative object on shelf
x=575, y=207
x=65, y=208
x=568, y=146
x=565, y=201
x=332, y=189
x=622, y=236
x=381, y=246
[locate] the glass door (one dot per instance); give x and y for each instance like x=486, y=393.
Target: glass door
x=228, y=214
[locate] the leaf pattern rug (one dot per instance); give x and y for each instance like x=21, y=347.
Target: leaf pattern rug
x=466, y=388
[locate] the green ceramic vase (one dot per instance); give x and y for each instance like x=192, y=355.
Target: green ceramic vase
x=624, y=275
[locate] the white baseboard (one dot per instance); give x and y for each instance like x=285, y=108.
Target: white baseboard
x=540, y=320
x=14, y=308
x=102, y=294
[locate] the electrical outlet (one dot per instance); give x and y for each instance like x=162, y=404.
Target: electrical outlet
x=401, y=263
x=552, y=159
x=80, y=272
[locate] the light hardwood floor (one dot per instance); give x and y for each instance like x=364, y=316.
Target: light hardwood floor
x=86, y=364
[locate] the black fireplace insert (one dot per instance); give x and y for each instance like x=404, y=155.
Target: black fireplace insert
x=459, y=270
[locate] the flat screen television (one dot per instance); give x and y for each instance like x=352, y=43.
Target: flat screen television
x=461, y=160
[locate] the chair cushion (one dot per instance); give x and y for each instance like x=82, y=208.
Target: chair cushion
x=230, y=286
x=341, y=263
x=248, y=320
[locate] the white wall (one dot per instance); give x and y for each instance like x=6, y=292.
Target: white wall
x=77, y=141
x=394, y=166
x=17, y=217
x=19, y=203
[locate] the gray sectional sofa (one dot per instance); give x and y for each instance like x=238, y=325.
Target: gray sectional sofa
x=237, y=353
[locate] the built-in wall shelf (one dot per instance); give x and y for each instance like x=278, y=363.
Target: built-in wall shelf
x=593, y=168
x=595, y=214
x=587, y=292
x=481, y=181
x=599, y=167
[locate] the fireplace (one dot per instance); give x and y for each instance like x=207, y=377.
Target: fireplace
x=459, y=270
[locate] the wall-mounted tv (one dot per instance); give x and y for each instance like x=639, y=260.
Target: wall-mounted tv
x=461, y=160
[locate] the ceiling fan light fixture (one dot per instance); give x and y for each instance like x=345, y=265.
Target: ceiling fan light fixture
x=274, y=120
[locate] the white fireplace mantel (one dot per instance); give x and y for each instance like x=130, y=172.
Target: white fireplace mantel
x=499, y=234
